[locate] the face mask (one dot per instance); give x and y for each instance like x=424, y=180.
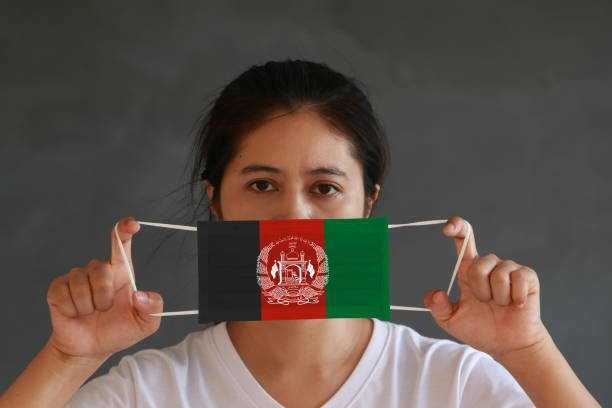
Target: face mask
x=294, y=269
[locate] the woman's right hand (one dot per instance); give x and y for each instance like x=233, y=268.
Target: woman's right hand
x=94, y=309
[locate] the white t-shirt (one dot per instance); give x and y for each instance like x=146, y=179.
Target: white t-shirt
x=399, y=368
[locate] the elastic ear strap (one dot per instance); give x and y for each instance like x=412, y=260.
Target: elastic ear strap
x=125, y=259
x=412, y=224
x=459, y=258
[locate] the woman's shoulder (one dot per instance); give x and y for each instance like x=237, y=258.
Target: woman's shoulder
x=167, y=376
x=435, y=363
x=407, y=345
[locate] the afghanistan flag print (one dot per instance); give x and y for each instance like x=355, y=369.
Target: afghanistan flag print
x=293, y=269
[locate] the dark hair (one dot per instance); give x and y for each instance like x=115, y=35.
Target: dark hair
x=247, y=101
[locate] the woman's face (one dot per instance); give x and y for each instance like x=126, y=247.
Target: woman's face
x=293, y=166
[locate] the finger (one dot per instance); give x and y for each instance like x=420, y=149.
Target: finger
x=478, y=276
x=458, y=228
x=126, y=227
x=80, y=291
x=522, y=280
x=58, y=297
x=101, y=282
x=500, y=282
x=441, y=307
x=146, y=303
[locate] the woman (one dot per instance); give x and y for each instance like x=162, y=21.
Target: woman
x=294, y=139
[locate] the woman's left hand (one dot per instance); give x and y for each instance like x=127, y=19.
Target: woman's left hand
x=498, y=310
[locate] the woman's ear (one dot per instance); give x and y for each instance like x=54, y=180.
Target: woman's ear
x=370, y=201
x=210, y=191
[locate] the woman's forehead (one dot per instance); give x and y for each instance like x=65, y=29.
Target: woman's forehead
x=302, y=139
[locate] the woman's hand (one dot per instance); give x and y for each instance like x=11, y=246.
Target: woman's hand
x=498, y=310
x=94, y=310
x=94, y=313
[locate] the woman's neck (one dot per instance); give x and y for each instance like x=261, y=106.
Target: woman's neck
x=316, y=345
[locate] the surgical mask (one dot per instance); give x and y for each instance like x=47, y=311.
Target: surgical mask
x=293, y=269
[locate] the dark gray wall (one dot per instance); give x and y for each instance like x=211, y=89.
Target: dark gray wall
x=496, y=112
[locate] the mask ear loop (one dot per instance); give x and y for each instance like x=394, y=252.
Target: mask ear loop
x=125, y=260
x=459, y=258
x=412, y=224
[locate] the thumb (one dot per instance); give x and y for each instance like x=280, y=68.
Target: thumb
x=441, y=307
x=146, y=303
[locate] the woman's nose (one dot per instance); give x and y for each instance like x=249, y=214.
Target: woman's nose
x=294, y=205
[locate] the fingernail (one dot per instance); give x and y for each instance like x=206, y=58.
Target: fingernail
x=142, y=297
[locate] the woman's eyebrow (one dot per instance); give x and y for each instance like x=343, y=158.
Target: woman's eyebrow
x=328, y=170
x=251, y=168
x=319, y=170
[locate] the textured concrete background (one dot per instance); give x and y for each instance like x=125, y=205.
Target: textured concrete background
x=496, y=112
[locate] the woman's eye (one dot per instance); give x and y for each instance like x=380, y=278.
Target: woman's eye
x=326, y=189
x=261, y=185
